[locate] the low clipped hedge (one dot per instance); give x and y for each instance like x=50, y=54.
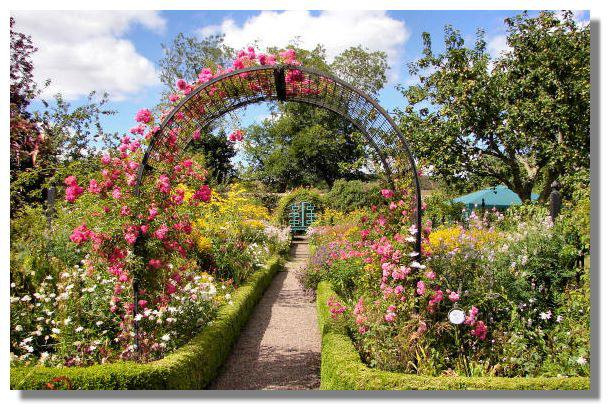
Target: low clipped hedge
x=192, y=366
x=342, y=368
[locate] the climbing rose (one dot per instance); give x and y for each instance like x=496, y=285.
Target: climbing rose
x=453, y=296
x=387, y=193
x=236, y=135
x=203, y=194
x=161, y=232
x=480, y=330
x=80, y=234
x=164, y=184
x=420, y=288
x=182, y=84
x=144, y=116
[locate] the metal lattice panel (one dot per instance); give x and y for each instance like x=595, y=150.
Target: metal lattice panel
x=243, y=87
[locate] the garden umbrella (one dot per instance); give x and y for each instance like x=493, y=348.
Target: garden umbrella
x=499, y=197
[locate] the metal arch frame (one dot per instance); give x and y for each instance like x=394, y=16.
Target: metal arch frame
x=280, y=95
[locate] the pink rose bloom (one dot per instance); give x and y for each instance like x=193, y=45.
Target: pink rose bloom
x=420, y=288
x=399, y=289
x=431, y=275
x=480, y=330
x=161, y=232
x=105, y=159
x=453, y=296
x=387, y=193
x=163, y=183
x=144, y=115
x=71, y=181
x=116, y=193
x=389, y=317
x=72, y=193
x=182, y=84
x=94, y=187
x=173, y=97
x=196, y=135
x=155, y=263
x=203, y=194
x=125, y=211
x=153, y=212
x=236, y=135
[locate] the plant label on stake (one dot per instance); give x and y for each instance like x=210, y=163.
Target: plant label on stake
x=456, y=316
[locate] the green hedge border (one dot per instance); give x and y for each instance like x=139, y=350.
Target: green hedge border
x=192, y=366
x=342, y=367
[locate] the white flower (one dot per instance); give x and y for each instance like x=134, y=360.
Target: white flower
x=79, y=329
x=99, y=323
x=581, y=360
x=227, y=296
x=545, y=316
x=417, y=265
x=67, y=321
x=166, y=338
x=18, y=328
x=138, y=317
x=559, y=319
x=26, y=298
x=55, y=330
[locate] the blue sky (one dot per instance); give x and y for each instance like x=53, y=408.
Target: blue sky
x=119, y=51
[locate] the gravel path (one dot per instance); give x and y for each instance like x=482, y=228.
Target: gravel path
x=279, y=348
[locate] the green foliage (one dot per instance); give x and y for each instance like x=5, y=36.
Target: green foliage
x=300, y=194
x=218, y=153
x=521, y=119
x=441, y=209
x=192, y=366
x=301, y=145
x=349, y=195
x=188, y=55
x=342, y=368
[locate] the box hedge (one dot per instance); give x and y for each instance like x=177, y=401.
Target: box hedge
x=343, y=369
x=192, y=366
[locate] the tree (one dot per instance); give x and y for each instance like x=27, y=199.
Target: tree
x=187, y=55
x=521, y=120
x=46, y=140
x=305, y=146
x=217, y=152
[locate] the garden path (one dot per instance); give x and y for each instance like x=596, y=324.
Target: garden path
x=279, y=348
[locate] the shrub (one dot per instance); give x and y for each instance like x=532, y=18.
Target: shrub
x=346, y=196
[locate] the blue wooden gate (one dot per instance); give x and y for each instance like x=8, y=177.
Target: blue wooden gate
x=301, y=216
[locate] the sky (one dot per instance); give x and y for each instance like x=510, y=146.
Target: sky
x=118, y=51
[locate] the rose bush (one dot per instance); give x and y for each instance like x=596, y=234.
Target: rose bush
x=518, y=285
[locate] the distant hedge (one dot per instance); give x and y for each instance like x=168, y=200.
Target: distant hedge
x=342, y=369
x=192, y=366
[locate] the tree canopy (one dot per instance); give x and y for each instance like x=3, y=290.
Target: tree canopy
x=521, y=119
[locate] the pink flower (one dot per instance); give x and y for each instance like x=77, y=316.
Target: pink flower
x=399, y=289
x=387, y=193
x=197, y=135
x=125, y=211
x=72, y=193
x=155, y=263
x=335, y=308
x=94, y=187
x=390, y=317
x=480, y=330
x=80, y=234
x=153, y=212
x=431, y=275
x=161, y=232
x=203, y=194
x=420, y=288
x=144, y=115
x=471, y=317
x=173, y=97
x=182, y=84
x=105, y=159
x=236, y=135
x=116, y=193
x=163, y=183
x=453, y=296
x=71, y=181
x=142, y=303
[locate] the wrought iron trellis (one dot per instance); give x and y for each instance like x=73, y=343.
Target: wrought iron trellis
x=242, y=87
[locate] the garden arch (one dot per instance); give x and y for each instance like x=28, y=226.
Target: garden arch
x=225, y=93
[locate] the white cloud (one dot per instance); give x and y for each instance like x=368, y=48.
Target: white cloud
x=335, y=30
x=81, y=51
x=497, y=45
